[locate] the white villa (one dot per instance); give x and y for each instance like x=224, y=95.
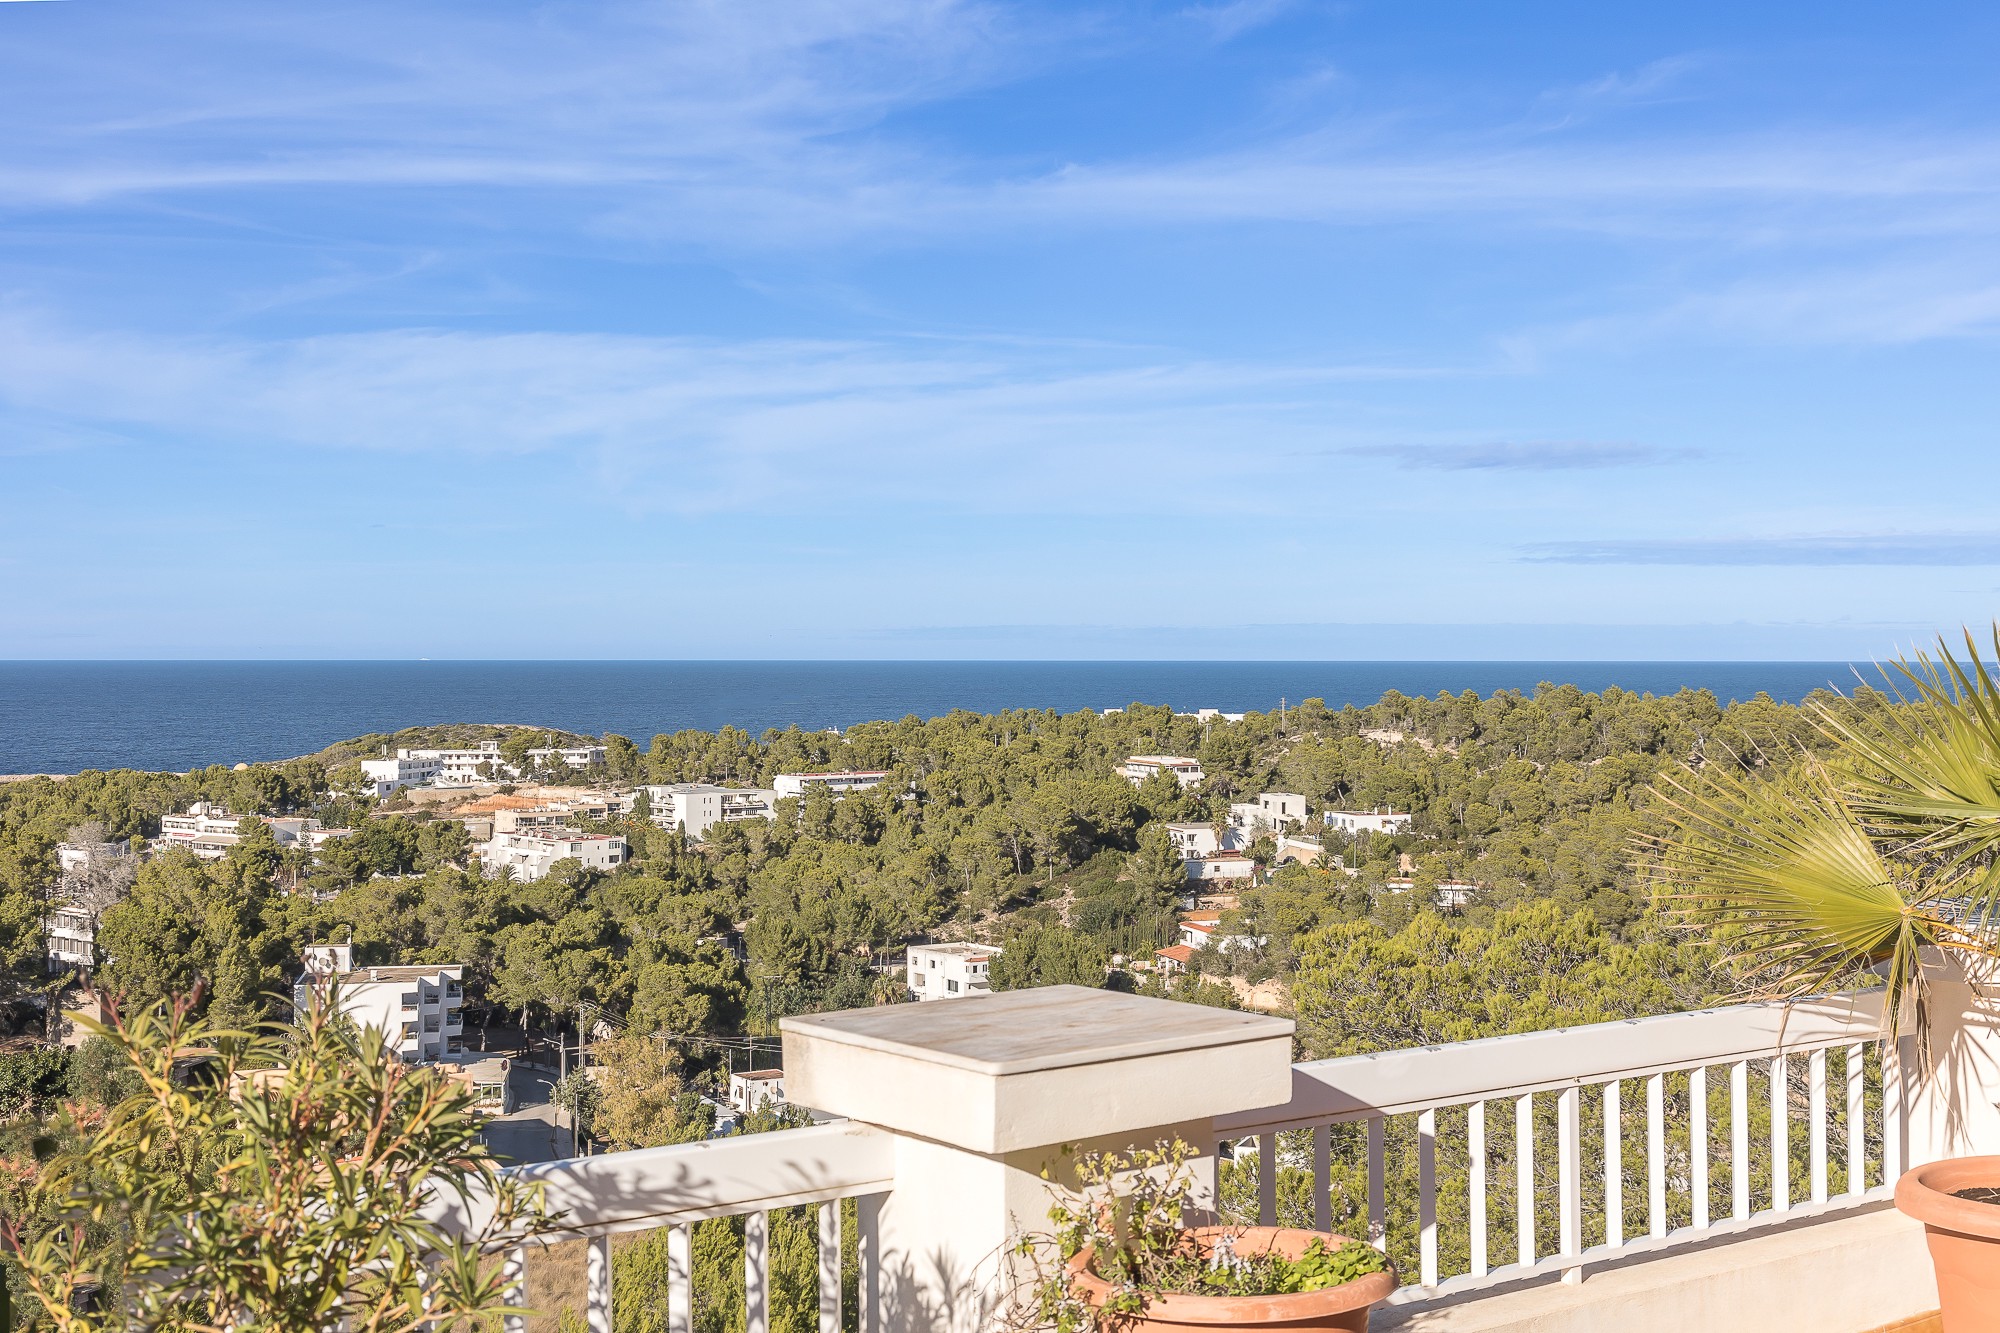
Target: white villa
x=795, y=784
x=1142, y=766
x=1272, y=812
x=1365, y=821
x=948, y=971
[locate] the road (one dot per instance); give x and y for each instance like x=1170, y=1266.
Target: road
x=530, y=1133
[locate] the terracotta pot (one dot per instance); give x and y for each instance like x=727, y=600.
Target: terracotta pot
x=1964, y=1238
x=1344, y=1307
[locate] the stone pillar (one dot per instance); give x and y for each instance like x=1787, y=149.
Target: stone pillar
x=983, y=1093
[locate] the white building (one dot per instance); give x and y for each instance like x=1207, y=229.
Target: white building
x=755, y=1089
x=486, y=1077
x=1365, y=821
x=69, y=935
x=1142, y=766
x=1272, y=812
x=695, y=806
x=1199, y=930
x=946, y=971
x=1212, y=715
x=795, y=784
x=210, y=830
x=417, y=1007
x=1221, y=865
x=465, y=768
x=410, y=768
x=1196, y=840
x=77, y=858
x=530, y=853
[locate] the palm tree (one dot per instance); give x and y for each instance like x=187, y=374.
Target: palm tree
x=1857, y=860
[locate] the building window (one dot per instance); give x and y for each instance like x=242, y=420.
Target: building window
x=951, y=986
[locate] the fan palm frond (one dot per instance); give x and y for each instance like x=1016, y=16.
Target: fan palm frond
x=1787, y=878
x=1925, y=774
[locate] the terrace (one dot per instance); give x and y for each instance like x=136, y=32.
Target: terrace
x=1729, y=1169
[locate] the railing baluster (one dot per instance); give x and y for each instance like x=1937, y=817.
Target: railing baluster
x=1208, y=1180
x=1427, y=1213
x=756, y=1273
x=1323, y=1177
x=1857, y=1129
x=597, y=1284
x=1892, y=1110
x=829, y=1266
x=1614, y=1167
x=1816, y=1121
x=1378, y=1211
x=1698, y=1143
x=1656, y=1154
x=1739, y=1140
x=1781, y=1142
x=1475, y=1151
x=680, y=1279
x=1524, y=1177
x=1569, y=1177
x=1267, y=1178
x=868, y=1253
x=515, y=1275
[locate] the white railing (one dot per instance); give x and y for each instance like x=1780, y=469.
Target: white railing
x=1432, y=1105
x=595, y=1198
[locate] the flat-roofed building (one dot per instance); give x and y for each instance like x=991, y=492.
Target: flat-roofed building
x=1272, y=812
x=1365, y=821
x=531, y=853
x=949, y=971
x=416, y=1007
x=209, y=830
x=1192, y=840
x=695, y=807
x=409, y=768
x=841, y=783
x=1139, y=767
x=1221, y=865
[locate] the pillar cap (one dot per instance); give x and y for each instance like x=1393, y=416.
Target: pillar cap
x=1029, y=1068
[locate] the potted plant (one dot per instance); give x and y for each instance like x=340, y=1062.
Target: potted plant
x=1876, y=860
x=1121, y=1257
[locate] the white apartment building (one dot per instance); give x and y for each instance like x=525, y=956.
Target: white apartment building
x=1274, y=812
x=410, y=768
x=1365, y=821
x=69, y=935
x=1142, y=766
x=696, y=806
x=1221, y=865
x=1197, y=840
x=417, y=1007
x=210, y=830
x=754, y=1089
x=948, y=971
x=1212, y=715
x=530, y=853
x=795, y=784
x=465, y=768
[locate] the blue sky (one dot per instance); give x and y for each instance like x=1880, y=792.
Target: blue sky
x=912, y=328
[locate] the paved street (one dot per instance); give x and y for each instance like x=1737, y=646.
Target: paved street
x=530, y=1133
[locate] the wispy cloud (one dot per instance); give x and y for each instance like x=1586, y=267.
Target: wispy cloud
x=705, y=424
x=1915, y=548
x=1524, y=456
x=1233, y=18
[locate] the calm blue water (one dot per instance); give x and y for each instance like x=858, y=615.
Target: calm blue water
x=58, y=717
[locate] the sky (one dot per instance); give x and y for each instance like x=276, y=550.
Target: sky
x=1255, y=329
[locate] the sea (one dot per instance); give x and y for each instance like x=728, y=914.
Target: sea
x=62, y=717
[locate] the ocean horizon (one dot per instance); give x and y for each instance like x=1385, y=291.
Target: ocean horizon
x=62, y=717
